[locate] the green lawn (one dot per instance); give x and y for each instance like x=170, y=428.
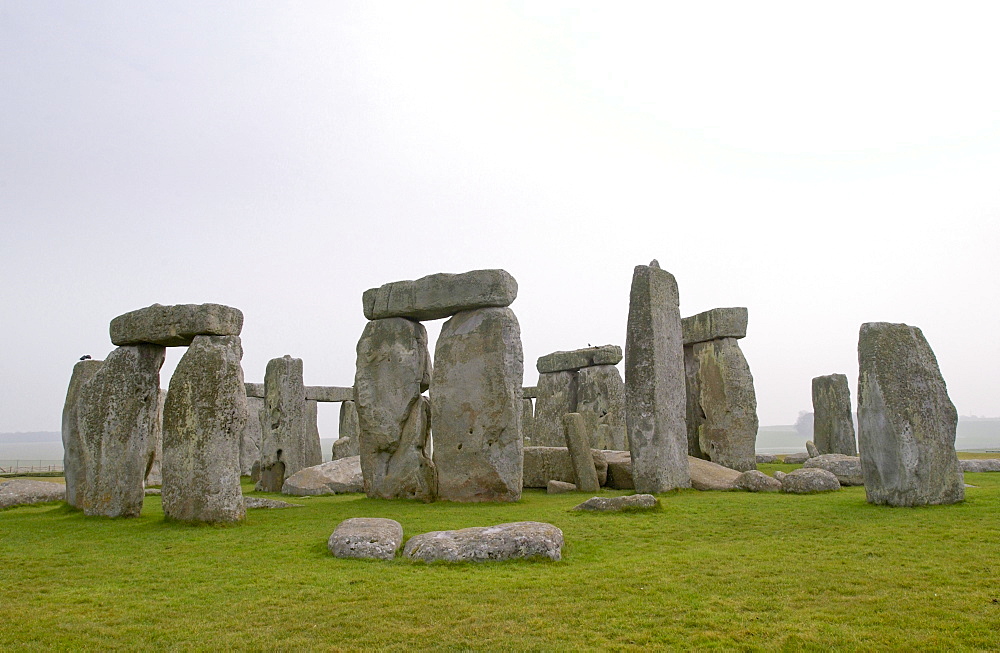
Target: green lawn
x=711, y=570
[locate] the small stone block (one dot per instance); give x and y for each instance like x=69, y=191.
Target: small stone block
x=366, y=537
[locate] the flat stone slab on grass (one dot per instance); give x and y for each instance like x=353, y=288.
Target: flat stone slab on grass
x=558, y=487
x=767, y=458
x=756, y=481
x=511, y=541
x=980, y=465
x=847, y=469
x=366, y=537
x=261, y=502
x=440, y=295
x=339, y=476
x=715, y=324
x=23, y=491
x=706, y=475
x=806, y=480
x=795, y=458
x=175, y=326
x=634, y=502
x=568, y=361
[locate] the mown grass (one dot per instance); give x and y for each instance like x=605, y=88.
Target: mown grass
x=711, y=570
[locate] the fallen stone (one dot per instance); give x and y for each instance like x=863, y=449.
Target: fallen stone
x=794, y=458
x=570, y=361
x=780, y=476
x=74, y=451
x=253, y=434
x=847, y=469
x=329, y=394
x=335, y=477
x=706, y=475
x=811, y=449
x=556, y=397
x=286, y=443
x=634, y=502
x=22, y=491
x=833, y=425
x=373, y=538
x=558, y=487
x=544, y=464
x=440, y=295
x=600, y=399
x=619, y=470
x=766, y=458
x=715, y=324
x=980, y=465
x=513, y=541
x=584, y=473
x=756, y=481
x=253, y=503
x=809, y=479
x=175, y=326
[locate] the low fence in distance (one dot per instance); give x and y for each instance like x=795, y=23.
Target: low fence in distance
x=30, y=466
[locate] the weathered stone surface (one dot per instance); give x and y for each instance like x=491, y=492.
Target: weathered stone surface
x=527, y=421
x=619, y=470
x=556, y=397
x=655, y=389
x=154, y=447
x=544, y=464
x=530, y=391
x=476, y=406
x=255, y=390
x=203, y=421
x=253, y=435
x=260, y=502
x=780, y=476
x=981, y=465
x=312, y=426
x=584, y=473
x=570, y=361
x=721, y=404
x=766, y=458
x=706, y=475
x=329, y=393
x=847, y=469
x=116, y=415
x=753, y=480
x=345, y=448
x=635, y=502
x=600, y=399
x=715, y=324
x=513, y=541
x=286, y=445
x=22, y=491
x=74, y=451
x=795, y=458
x=833, y=426
x=809, y=479
x=811, y=449
x=558, y=487
x=440, y=295
x=366, y=537
x=153, y=492
x=347, y=444
x=393, y=369
x=340, y=476
x=906, y=421
x=175, y=326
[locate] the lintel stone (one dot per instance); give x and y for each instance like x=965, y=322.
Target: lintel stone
x=327, y=393
x=715, y=324
x=175, y=326
x=568, y=361
x=440, y=295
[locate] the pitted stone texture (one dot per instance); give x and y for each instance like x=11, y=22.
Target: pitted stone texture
x=795, y=458
x=600, y=399
x=806, y=480
x=253, y=435
x=655, y=390
x=366, y=537
x=544, y=464
x=570, y=361
x=255, y=390
x=906, y=421
x=811, y=449
x=116, y=415
x=756, y=481
x=530, y=391
x=23, y=491
x=715, y=324
x=513, y=541
x=74, y=451
x=619, y=470
x=558, y=487
x=260, y=502
x=981, y=465
x=175, y=326
x=847, y=469
x=556, y=397
x=346, y=448
x=706, y=475
x=349, y=431
x=527, y=421
x=584, y=473
x=286, y=446
x=340, y=476
x=312, y=428
x=203, y=422
x=632, y=503
x=393, y=369
x=440, y=295
x=721, y=404
x=833, y=426
x=476, y=406
x=329, y=393
x=154, y=447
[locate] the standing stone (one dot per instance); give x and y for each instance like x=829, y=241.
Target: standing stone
x=116, y=415
x=655, y=391
x=600, y=399
x=203, y=422
x=74, y=451
x=314, y=446
x=476, y=406
x=253, y=434
x=906, y=421
x=393, y=369
x=833, y=428
x=556, y=397
x=346, y=445
x=154, y=447
x=527, y=421
x=283, y=448
x=584, y=472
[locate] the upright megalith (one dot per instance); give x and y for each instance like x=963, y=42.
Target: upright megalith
x=600, y=401
x=346, y=445
x=440, y=295
x=117, y=412
x=527, y=421
x=393, y=370
x=556, y=397
x=584, y=472
x=203, y=422
x=175, y=326
x=154, y=447
x=833, y=426
x=655, y=393
x=476, y=394
x=253, y=434
x=906, y=421
x=74, y=451
x=284, y=447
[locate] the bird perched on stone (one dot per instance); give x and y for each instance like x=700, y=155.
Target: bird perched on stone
x=85, y=358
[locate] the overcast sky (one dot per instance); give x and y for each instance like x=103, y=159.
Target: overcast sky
x=823, y=164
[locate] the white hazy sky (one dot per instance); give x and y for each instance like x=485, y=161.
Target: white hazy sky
x=823, y=164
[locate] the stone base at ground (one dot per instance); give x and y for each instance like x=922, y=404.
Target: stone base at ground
x=544, y=464
x=795, y=458
x=558, y=487
x=756, y=481
x=847, y=469
x=335, y=477
x=513, y=541
x=806, y=480
x=707, y=475
x=634, y=502
x=366, y=537
x=22, y=491
x=260, y=502
x=619, y=470
x=766, y=458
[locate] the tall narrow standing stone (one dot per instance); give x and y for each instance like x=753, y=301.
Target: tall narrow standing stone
x=203, y=422
x=252, y=436
x=527, y=421
x=833, y=428
x=154, y=447
x=117, y=413
x=556, y=397
x=600, y=400
x=906, y=421
x=655, y=390
x=74, y=451
x=314, y=448
x=284, y=449
x=346, y=444
x=476, y=397
x=584, y=472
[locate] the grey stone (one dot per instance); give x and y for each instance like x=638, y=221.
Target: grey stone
x=476, y=406
x=631, y=503
x=544, y=464
x=440, y=295
x=558, y=487
x=780, y=476
x=23, y=491
x=715, y=324
x=753, y=480
x=655, y=391
x=74, y=451
x=349, y=431
x=312, y=427
x=556, y=397
x=255, y=390
x=286, y=445
x=906, y=421
x=806, y=480
x=341, y=476
x=329, y=394
x=253, y=435
x=811, y=449
x=600, y=399
x=116, y=415
x=393, y=369
x=530, y=391
x=373, y=538
x=766, y=458
x=980, y=465
x=346, y=447
x=706, y=475
x=795, y=458
x=175, y=326
x=833, y=426
x=513, y=541
x=153, y=492
x=570, y=361
x=527, y=421
x=847, y=469
x=253, y=503
x=584, y=474
x=154, y=447
x=721, y=404
x=203, y=422
x=619, y=470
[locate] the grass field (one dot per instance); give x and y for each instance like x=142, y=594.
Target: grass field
x=711, y=570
